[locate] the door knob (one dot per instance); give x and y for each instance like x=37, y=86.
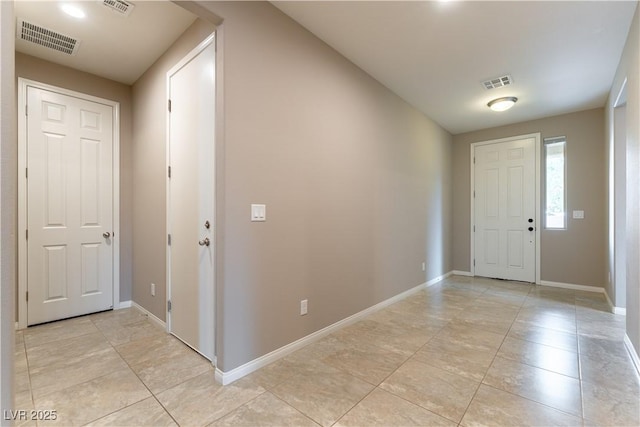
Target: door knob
x=204, y=242
x=530, y=219
x=530, y=228
x=106, y=234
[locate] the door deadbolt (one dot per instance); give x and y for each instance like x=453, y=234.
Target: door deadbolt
x=207, y=225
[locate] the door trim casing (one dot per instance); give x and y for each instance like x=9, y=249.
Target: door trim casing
x=538, y=184
x=23, y=85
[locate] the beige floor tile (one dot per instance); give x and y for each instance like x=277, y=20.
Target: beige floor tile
x=541, y=356
x=551, y=389
x=610, y=407
x=381, y=408
x=405, y=340
x=492, y=407
x=132, y=332
x=265, y=410
x=324, y=395
x=367, y=362
x=456, y=358
x=432, y=388
x=89, y=401
x=55, y=331
x=147, y=412
x=610, y=372
x=550, y=337
x=47, y=380
x=117, y=318
x=163, y=362
x=201, y=400
x=484, y=321
x=19, y=336
x=471, y=337
x=547, y=319
x=601, y=348
x=602, y=330
x=67, y=351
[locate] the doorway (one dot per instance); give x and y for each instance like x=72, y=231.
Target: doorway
x=68, y=203
x=191, y=199
x=505, y=200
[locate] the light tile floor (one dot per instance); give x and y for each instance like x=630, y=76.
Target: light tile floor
x=467, y=352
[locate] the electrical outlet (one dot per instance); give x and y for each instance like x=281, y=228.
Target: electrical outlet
x=153, y=289
x=424, y=266
x=303, y=307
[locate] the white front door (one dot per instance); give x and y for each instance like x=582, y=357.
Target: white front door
x=69, y=206
x=505, y=210
x=191, y=199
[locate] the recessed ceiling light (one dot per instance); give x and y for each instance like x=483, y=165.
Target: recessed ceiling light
x=502, y=104
x=72, y=10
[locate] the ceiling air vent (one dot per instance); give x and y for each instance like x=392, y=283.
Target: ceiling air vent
x=120, y=6
x=47, y=38
x=497, y=82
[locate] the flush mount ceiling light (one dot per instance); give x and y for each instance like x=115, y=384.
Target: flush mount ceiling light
x=502, y=104
x=72, y=10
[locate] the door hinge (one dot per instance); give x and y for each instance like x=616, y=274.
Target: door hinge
x=169, y=239
x=26, y=234
x=474, y=194
x=169, y=305
x=26, y=110
x=27, y=296
x=474, y=160
x=474, y=262
x=169, y=105
x=169, y=171
x=474, y=228
x=26, y=172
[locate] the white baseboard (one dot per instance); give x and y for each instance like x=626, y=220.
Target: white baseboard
x=228, y=377
x=615, y=310
x=632, y=352
x=462, y=273
x=150, y=315
x=123, y=304
x=595, y=289
x=436, y=280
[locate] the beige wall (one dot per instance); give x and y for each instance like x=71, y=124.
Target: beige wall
x=149, y=173
x=576, y=255
x=357, y=186
x=629, y=68
x=8, y=203
x=43, y=71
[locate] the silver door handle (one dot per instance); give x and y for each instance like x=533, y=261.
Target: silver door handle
x=106, y=234
x=204, y=242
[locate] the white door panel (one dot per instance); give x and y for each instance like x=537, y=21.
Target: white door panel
x=191, y=201
x=69, y=206
x=504, y=206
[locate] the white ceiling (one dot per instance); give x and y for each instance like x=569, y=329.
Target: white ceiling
x=111, y=45
x=562, y=56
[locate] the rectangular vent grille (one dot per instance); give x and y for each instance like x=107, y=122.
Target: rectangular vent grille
x=120, y=6
x=47, y=38
x=497, y=82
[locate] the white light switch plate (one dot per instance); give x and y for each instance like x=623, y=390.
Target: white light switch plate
x=578, y=214
x=258, y=212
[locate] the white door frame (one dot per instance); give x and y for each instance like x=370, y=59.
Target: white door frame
x=190, y=56
x=23, y=84
x=538, y=176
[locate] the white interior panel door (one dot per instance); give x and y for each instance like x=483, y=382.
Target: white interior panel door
x=504, y=211
x=191, y=201
x=69, y=206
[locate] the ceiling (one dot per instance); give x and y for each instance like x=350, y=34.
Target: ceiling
x=562, y=56
x=112, y=45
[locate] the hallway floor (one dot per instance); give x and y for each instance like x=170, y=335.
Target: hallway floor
x=466, y=351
